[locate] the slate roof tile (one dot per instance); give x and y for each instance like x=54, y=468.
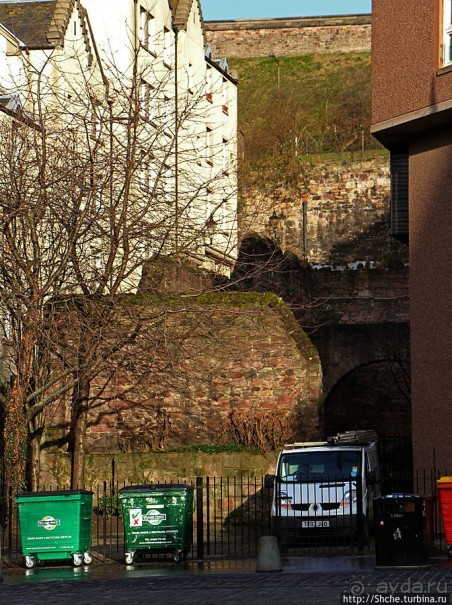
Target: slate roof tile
x=29, y=21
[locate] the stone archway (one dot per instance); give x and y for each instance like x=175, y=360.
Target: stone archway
x=371, y=396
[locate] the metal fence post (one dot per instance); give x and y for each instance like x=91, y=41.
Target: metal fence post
x=360, y=513
x=199, y=519
x=104, y=521
x=10, y=520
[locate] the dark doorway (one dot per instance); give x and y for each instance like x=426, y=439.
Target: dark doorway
x=373, y=396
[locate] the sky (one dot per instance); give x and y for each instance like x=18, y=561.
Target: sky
x=216, y=10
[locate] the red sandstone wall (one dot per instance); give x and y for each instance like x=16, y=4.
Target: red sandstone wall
x=285, y=37
x=184, y=377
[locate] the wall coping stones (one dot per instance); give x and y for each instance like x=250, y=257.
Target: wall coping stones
x=292, y=22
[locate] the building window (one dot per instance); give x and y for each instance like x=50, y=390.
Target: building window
x=447, y=32
x=145, y=100
x=225, y=95
x=167, y=115
x=399, y=192
x=226, y=157
x=147, y=30
x=167, y=184
x=144, y=27
x=209, y=84
x=96, y=120
x=190, y=78
x=209, y=146
x=148, y=176
x=167, y=47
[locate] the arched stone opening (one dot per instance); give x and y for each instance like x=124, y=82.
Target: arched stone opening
x=374, y=396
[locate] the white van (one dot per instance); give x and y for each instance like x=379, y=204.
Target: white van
x=326, y=488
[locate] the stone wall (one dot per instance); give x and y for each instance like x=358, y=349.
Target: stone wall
x=157, y=467
x=218, y=370
x=285, y=37
x=337, y=213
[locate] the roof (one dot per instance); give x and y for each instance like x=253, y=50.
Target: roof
x=39, y=25
x=181, y=12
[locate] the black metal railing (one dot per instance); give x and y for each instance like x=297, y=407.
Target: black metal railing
x=231, y=514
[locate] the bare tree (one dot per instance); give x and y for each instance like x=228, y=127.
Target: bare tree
x=97, y=176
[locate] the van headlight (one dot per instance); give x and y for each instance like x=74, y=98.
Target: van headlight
x=348, y=498
x=284, y=500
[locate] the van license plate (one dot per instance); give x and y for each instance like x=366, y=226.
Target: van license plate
x=315, y=524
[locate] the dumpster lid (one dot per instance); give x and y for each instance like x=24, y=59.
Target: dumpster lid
x=61, y=492
x=152, y=487
x=444, y=480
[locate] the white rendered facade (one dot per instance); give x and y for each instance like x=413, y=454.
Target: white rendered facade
x=187, y=105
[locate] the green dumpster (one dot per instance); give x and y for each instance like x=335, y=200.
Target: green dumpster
x=55, y=525
x=157, y=518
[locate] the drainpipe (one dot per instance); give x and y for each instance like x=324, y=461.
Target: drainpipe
x=305, y=230
x=135, y=30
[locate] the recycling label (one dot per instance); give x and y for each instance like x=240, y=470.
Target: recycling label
x=135, y=517
x=154, y=517
x=48, y=523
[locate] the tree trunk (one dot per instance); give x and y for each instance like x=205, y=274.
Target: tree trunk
x=78, y=430
x=16, y=428
x=16, y=438
x=35, y=459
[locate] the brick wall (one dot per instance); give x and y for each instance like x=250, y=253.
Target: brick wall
x=285, y=37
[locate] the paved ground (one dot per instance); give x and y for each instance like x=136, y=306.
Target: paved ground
x=303, y=580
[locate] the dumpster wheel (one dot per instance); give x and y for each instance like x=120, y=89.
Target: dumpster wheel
x=129, y=558
x=178, y=555
x=30, y=561
x=449, y=552
x=77, y=559
x=87, y=558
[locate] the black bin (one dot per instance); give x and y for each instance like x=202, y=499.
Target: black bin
x=399, y=531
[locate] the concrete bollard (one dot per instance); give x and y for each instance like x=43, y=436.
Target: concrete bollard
x=268, y=557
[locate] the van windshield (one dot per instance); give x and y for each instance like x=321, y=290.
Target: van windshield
x=313, y=466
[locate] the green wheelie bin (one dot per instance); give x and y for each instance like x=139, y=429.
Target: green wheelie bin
x=55, y=525
x=157, y=519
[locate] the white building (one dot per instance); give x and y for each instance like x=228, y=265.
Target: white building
x=160, y=112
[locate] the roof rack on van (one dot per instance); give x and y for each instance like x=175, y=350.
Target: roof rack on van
x=292, y=446
x=363, y=437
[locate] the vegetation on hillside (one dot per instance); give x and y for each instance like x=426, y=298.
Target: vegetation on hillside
x=319, y=103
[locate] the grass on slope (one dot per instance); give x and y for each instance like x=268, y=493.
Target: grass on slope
x=322, y=103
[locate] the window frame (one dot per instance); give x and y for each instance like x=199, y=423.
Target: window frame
x=446, y=27
x=226, y=155
x=209, y=145
x=209, y=84
x=145, y=100
x=167, y=48
x=144, y=28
